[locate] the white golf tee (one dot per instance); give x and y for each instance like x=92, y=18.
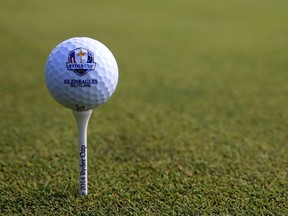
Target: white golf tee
x=82, y=119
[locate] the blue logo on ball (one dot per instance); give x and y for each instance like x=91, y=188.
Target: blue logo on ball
x=80, y=61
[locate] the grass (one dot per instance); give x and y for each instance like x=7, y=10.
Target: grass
x=197, y=125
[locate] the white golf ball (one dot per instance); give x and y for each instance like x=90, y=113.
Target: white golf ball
x=81, y=73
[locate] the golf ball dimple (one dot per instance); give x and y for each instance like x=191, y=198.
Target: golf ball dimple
x=81, y=73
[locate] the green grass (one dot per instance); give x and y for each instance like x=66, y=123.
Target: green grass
x=197, y=126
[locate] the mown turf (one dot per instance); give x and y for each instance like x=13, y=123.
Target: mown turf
x=197, y=125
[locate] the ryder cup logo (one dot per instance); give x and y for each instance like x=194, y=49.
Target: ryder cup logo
x=80, y=61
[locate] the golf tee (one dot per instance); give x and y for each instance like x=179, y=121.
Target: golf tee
x=82, y=119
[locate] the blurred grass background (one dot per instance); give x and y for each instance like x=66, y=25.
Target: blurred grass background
x=197, y=125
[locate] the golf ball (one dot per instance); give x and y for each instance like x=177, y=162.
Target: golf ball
x=81, y=73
